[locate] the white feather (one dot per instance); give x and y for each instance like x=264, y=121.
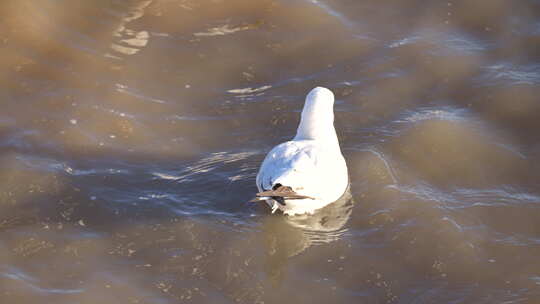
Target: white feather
x=312, y=163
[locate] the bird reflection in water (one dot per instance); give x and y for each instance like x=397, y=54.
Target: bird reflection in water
x=288, y=236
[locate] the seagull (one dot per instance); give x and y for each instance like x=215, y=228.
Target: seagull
x=308, y=172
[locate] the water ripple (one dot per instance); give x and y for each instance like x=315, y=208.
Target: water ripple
x=441, y=43
x=508, y=74
x=18, y=275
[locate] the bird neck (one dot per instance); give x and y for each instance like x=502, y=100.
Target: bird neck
x=317, y=122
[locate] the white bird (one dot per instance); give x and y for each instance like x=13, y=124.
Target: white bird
x=308, y=172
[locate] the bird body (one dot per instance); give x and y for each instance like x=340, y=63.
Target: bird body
x=308, y=172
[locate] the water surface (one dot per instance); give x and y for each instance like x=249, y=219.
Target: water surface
x=131, y=133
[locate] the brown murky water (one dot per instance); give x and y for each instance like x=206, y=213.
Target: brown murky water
x=131, y=133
